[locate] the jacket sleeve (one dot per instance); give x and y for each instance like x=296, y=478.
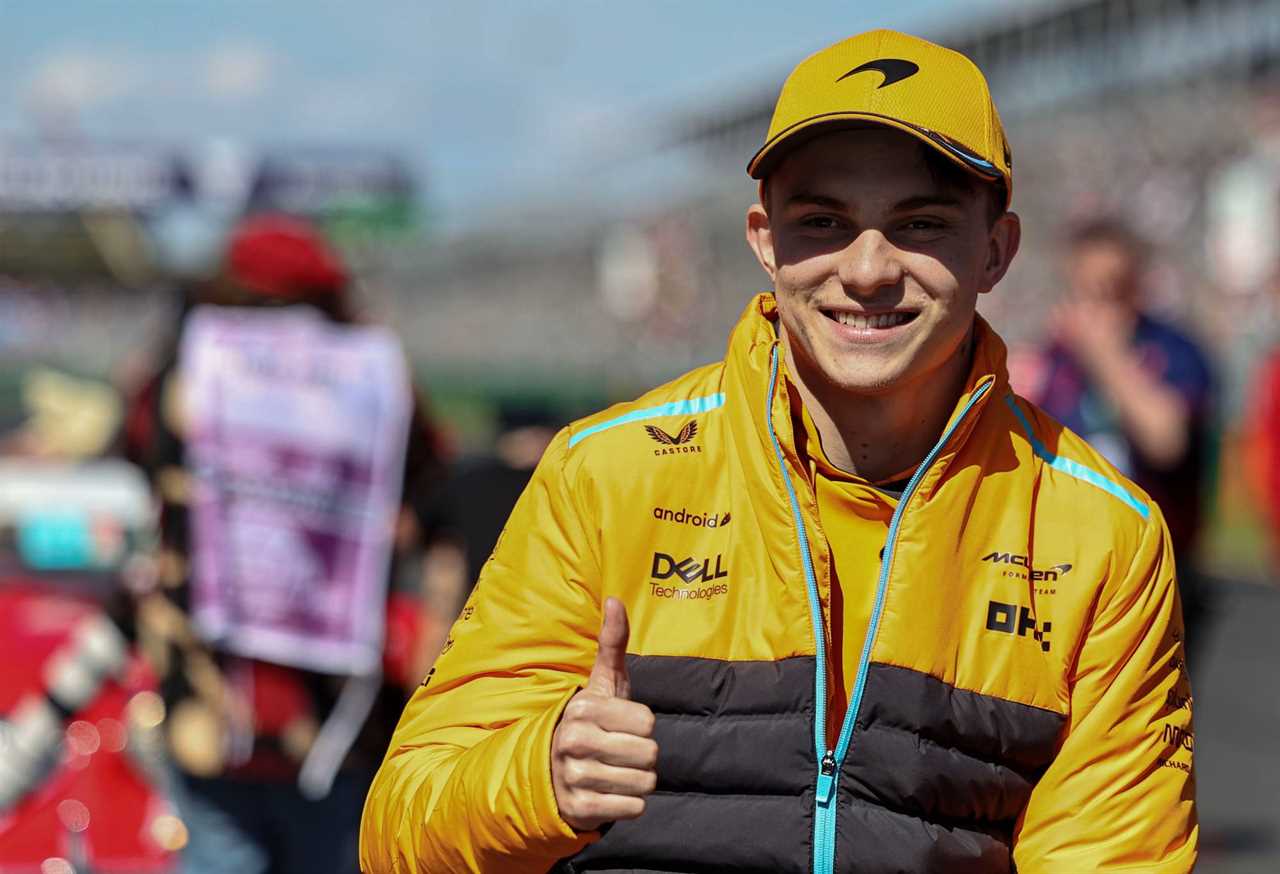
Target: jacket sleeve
x=466, y=783
x=1120, y=793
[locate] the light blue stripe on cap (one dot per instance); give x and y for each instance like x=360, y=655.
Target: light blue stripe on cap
x=1075, y=468
x=687, y=407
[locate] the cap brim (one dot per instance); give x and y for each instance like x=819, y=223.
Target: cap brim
x=765, y=160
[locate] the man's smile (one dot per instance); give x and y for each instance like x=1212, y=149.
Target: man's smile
x=861, y=326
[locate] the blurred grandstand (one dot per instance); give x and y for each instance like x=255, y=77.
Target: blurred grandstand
x=1164, y=111
x=1131, y=107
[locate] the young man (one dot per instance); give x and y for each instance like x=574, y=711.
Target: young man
x=840, y=602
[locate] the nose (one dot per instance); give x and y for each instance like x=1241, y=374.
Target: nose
x=869, y=263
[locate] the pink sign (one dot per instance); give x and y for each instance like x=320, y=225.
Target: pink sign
x=296, y=442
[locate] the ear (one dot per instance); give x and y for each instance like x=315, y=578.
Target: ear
x=1002, y=245
x=760, y=238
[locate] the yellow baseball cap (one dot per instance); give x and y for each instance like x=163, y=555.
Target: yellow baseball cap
x=890, y=78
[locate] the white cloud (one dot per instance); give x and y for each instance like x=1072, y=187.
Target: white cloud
x=73, y=80
x=237, y=71
x=355, y=107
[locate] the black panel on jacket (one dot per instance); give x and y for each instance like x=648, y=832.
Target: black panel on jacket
x=936, y=776
x=735, y=771
x=934, y=780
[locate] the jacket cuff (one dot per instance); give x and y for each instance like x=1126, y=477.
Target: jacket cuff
x=544, y=813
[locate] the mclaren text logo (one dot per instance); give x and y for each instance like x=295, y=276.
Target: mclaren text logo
x=680, y=443
x=697, y=577
x=1015, y=619
x=1026, y=570
x=689, y=517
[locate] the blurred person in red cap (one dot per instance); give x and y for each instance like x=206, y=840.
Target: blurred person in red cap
x=272, y=755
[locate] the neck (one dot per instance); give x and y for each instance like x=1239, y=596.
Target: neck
x=880, y=436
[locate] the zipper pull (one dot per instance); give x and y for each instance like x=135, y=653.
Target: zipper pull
x=827, y=778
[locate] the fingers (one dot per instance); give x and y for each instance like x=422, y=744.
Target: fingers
x=601, y=776
x=584, y=775
x=609, y=673
x=611, y=714
x=590, y=742
x=588, y=811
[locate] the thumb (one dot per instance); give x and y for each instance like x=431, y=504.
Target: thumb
x=609, y=673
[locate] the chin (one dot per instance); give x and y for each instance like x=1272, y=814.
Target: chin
x=865, y=382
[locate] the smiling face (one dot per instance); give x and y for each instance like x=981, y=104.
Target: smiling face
x=877, y=260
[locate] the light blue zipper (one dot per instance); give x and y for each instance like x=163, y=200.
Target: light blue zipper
x=824, y=819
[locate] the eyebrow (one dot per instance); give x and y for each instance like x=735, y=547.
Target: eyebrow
x=918, y=201
x=815, y=199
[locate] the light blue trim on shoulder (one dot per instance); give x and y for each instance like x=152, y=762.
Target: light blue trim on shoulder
x=688, y=407
x=1075, y=468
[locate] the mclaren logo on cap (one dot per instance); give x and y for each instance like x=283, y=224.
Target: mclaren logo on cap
x=893, y=69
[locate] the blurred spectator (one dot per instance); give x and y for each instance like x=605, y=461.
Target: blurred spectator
x=1262, y=440
x=1138, y=389
x=470, y=512
x=272, y=760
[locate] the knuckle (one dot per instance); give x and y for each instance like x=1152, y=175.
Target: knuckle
x=576, y=709
x=577, y=740
x=570, y=736
x=647, y=722
x=648, y=782
x=651, y=754
x=575, y=772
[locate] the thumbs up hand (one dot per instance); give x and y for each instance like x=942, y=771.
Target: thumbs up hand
x=603, y=756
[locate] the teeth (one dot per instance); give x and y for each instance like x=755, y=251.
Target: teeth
x=882, y=320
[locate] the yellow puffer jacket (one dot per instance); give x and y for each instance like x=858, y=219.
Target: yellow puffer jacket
x=1021, y=700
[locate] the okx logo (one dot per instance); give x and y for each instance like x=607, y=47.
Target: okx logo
x=679, y=443
x=1019, y=620
x=689, y=571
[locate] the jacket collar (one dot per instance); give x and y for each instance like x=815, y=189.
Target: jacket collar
x=760, y=400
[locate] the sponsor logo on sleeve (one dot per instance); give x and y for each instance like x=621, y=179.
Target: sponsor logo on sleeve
x=1177, y=736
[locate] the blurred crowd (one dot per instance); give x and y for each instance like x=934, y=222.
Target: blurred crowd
x=268, y=515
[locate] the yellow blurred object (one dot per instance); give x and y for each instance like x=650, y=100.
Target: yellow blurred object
x=169, y=832
x=146, y=710
x=196, y=738
x=69, y=417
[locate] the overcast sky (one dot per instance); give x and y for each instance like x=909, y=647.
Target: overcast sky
x=488, y=100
